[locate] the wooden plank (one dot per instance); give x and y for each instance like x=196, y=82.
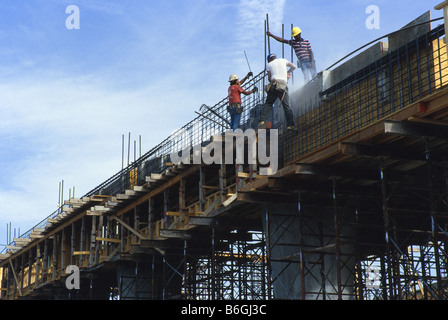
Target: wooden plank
x=108, y=239
x=159, y=189
x=36, y=236
x=243, y=175
x=22, y=240
x=78, y=253
x=174, y=234
x=230, y=200
x=124, y=224
x=172, y=213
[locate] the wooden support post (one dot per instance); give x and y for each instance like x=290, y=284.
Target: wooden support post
x=92, y=241
x=182, y=216
x=55, y=256
x=165, y=208
x=22, y=272
x=98, y=243
x=45, y=261
x=122, y=237
x=36, y=271
x=151, y=218
x=136, y=221
x=62, y=255
x=201, y=189
x=82, y=245
x=30, y=269
x=107, y=234
x=222, y=181
x=72, y=246
x=15, y=278
x=8, y=280
x=128, y=227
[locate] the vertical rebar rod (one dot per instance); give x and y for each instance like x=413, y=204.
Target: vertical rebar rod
x=267, y=28
x=283, y=44
x=213, y=266
x=386, y=220
x=268, y=249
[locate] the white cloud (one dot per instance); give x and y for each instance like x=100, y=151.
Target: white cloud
x=70, y=129
x=252, y=14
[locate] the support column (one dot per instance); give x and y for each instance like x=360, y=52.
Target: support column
x=55, y=256
x=444, y=6
x=182, y=214
x=36, y=271
x=151, y=218
x=45, y=261
x=201, y=189
x=337, y=241
x=92, y=241
x=83, y=239
x=72, y=244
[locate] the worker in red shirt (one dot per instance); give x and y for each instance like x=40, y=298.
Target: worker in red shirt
x=234, y=108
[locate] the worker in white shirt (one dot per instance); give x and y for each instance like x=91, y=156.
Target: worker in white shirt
x=278, y=75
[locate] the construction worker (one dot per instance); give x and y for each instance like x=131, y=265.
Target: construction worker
x=234, y=108
x=304, y=53
x=278, y=76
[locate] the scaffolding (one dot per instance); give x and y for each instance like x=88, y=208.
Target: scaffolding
x=357, y=210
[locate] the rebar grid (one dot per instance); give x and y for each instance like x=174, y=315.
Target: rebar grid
x=393, y=82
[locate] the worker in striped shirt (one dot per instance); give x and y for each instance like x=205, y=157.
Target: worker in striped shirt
x=304, y=53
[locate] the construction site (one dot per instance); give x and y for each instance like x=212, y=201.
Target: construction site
x=356, y=210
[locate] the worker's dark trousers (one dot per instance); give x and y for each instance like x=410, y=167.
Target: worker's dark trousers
x=283, y=95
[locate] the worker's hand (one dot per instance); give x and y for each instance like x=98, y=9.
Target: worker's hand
x=250, y=74
x=289, y=75
x=255, y=89
x=268, y=33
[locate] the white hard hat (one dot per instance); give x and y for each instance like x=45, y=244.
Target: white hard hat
x=233, y=77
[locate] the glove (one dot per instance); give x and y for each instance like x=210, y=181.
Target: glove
x=250, y=74
x=255, y=89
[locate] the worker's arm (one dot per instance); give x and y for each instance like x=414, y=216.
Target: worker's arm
x=291, y=66
x=269, y=75
x=277, y=38
x=246, y=77
x=255, y=89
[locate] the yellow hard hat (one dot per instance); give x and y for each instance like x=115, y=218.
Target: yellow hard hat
x=295, y=31
x=233, y=77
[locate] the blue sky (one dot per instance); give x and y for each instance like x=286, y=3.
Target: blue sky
x=68, y=95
